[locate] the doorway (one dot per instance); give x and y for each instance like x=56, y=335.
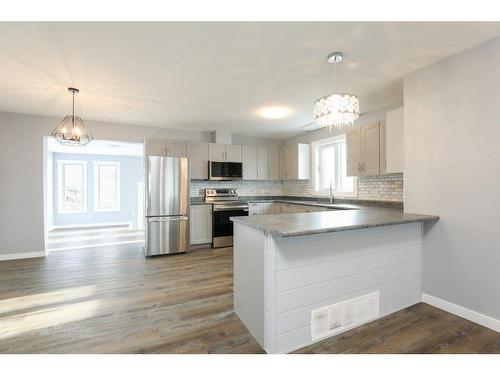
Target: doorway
x=93, y=195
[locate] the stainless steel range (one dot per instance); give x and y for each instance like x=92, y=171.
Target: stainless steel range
x=225, y=205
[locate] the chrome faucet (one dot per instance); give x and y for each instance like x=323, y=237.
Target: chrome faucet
x=331, y=193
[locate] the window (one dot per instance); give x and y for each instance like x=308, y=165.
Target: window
x=72, y=186
x=106, y=186
x=329, y=168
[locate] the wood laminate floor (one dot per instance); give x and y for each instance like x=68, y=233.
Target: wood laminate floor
x=114, y=300
x=93, y=237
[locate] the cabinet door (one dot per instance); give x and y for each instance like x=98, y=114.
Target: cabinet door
x=201, y=224
x=274, y=163
x=249, y=159
x=262, y=163
x=155, y=147
x=254, y=209
x=303, y=161
x=283, y=163
x=392, y=142
x=370, y=141
x=198, y=160
x=216, y=152
x=233, y=153
x=353, y=152
x=176, y=148
x=292, y=162
x=268, y=209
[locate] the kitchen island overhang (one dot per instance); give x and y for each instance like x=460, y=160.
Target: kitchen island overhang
x=356, y=265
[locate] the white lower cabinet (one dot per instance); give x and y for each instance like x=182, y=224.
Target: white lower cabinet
x=201, y=224
x=277, y=208
x=261, y=208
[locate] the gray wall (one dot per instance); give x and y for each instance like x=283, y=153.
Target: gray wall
x=21, y=171
x=452, y=158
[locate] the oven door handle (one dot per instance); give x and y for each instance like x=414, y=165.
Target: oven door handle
x=234, y=208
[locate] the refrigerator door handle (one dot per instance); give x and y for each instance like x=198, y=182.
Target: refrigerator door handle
x=167, y=218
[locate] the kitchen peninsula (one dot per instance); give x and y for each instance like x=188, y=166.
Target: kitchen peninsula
x=299, y=278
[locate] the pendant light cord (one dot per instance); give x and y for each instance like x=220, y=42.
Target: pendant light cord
x=73, y=114
x=336, y=75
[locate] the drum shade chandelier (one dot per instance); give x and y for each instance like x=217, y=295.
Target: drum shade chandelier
x=72, y=131
x=336, y=110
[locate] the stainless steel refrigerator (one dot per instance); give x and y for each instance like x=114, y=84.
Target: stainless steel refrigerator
x=167, y=205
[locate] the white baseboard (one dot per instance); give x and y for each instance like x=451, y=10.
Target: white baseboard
x=37, y=254
x=473, y=316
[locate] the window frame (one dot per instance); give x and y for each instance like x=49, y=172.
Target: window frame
x=96, y=166
x=316, y=148
x=60, y=186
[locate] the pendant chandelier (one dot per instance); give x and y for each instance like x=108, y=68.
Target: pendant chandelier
x=336, y=110
x=71, y=130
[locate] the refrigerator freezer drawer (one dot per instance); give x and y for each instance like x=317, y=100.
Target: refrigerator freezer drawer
x=166, y=235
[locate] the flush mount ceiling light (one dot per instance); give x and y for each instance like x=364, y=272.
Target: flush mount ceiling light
x=336, y=110
x=274, y=112
x=72, y=131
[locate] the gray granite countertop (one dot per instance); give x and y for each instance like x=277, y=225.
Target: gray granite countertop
x=290, y=225
x=340, y=203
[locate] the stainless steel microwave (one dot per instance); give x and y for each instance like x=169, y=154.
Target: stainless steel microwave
x=225, y=171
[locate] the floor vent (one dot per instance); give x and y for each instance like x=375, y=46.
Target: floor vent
x=333, y=319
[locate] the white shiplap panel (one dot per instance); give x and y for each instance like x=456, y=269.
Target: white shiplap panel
x=301, y=337
x=308, y=250
x=249, y=279
x=316, y=293
x=300, y=317
x=334, y=269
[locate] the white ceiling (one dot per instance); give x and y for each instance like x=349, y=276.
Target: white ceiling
x=211, y=76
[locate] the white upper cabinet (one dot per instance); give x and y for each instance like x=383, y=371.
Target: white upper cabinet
x=164, y=147
x=274, y=163
x=216, y=152
x=262, y=163
x=233, y=153
x=353, y=152
x=392, y=142
x=155, y=146
x=295, y=162
x=370, y=143
x=198, y=160
x=363, y=150
x=249, y=159
x=176, y=148
x=282, y=163
x=222, y=152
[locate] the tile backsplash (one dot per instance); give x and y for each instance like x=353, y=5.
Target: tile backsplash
x=386, y=187
x=245, y=188
x=383, y=188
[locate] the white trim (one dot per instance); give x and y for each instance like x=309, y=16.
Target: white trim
x=96, y=166
x=92, y=225
x=36, y=254
x=463, y=312
x=60, y=193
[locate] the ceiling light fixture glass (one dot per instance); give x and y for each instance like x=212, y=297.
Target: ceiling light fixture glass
x=71, y=130
x=336, y=110
x=274, y=112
